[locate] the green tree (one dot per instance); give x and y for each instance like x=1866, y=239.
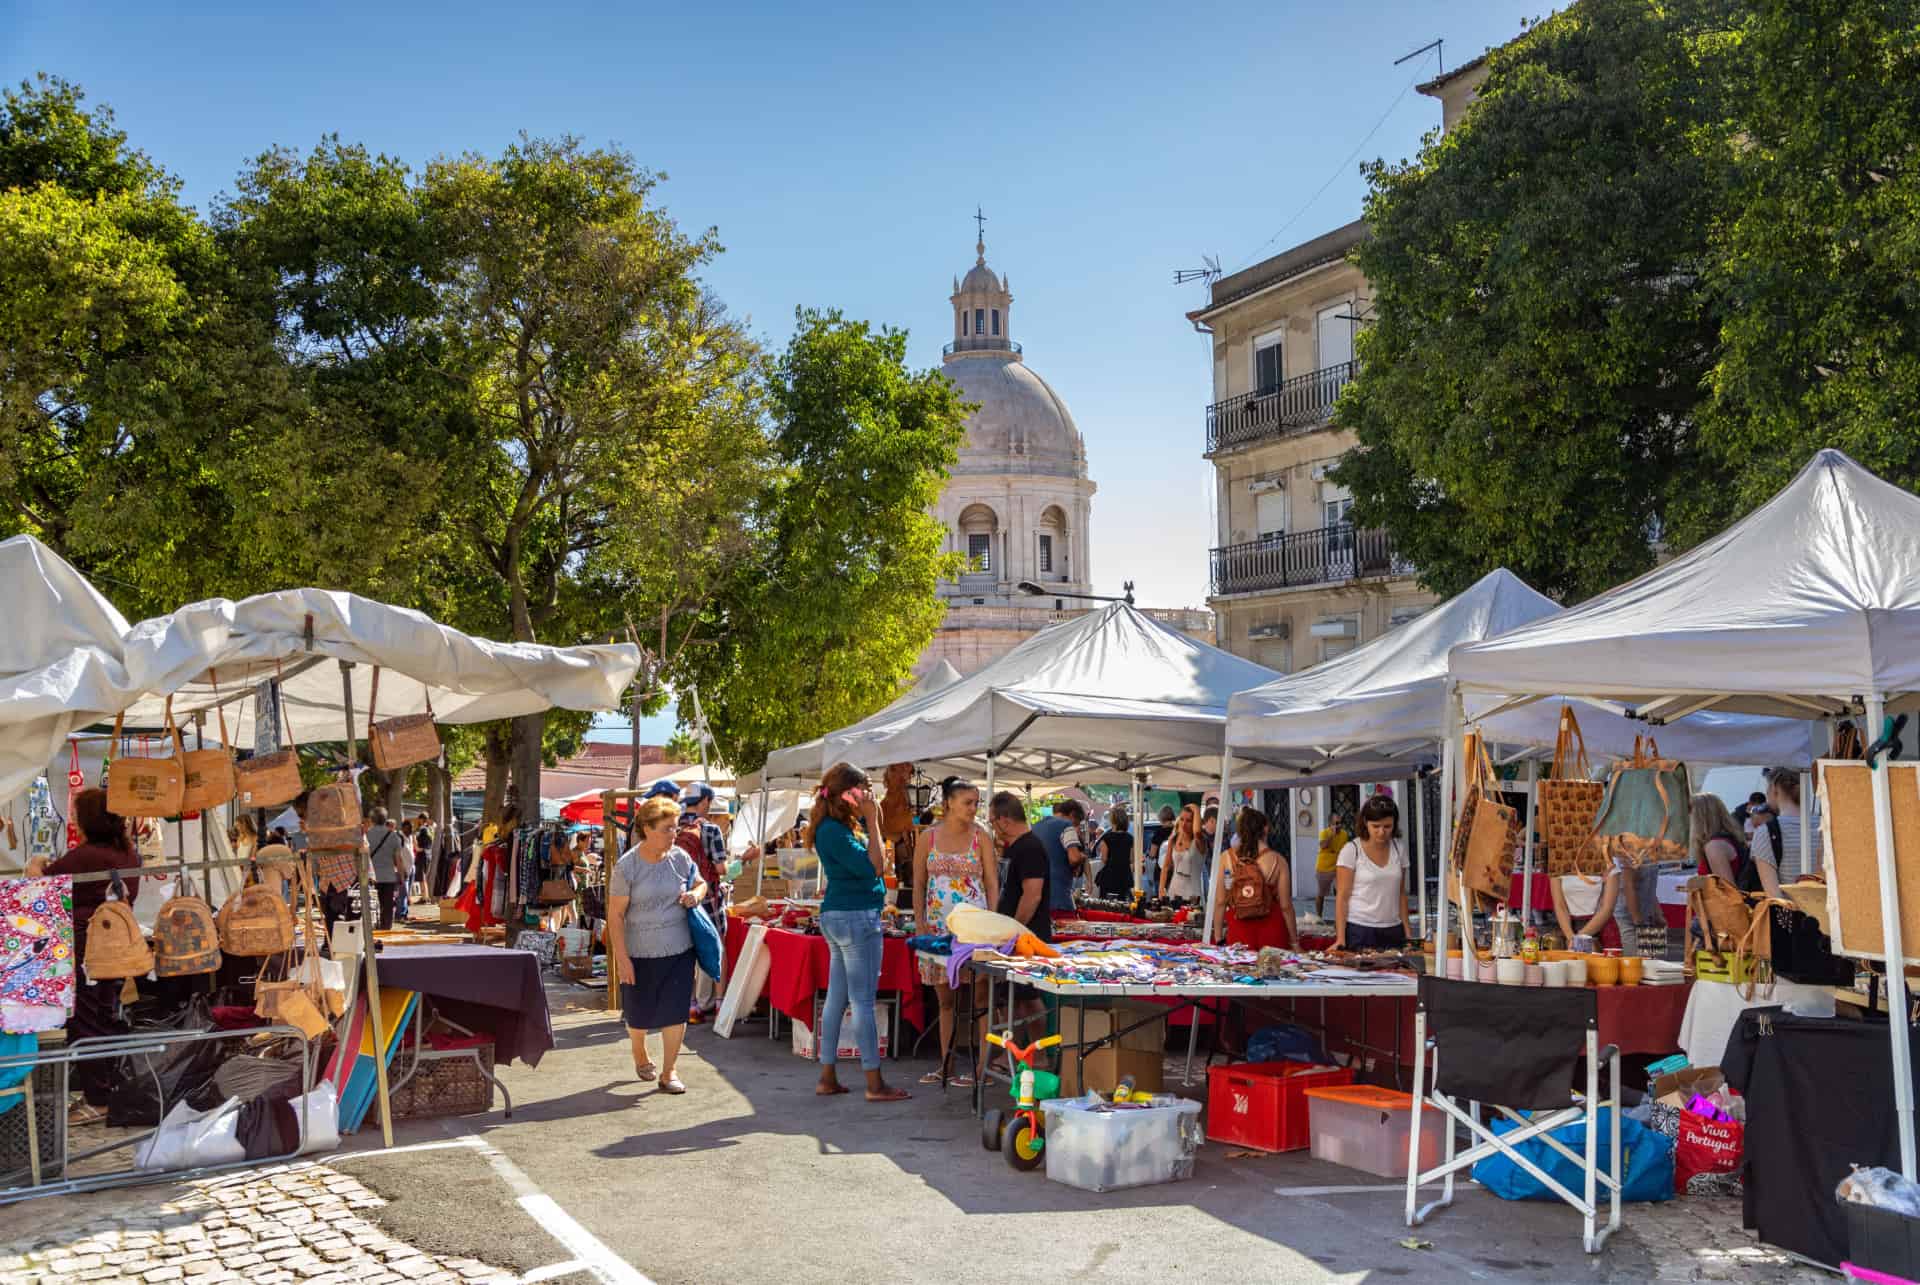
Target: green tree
x=1529, y=388
x=827, y=611
x=1820, y=253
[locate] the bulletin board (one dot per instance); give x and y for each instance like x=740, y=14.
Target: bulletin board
x=1852, y=862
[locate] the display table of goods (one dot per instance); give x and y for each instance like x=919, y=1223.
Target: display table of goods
x=799, y=964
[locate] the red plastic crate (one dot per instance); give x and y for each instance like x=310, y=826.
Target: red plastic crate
x=1263, y=1105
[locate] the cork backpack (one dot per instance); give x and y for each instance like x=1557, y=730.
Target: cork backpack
x=115, y=946
x=256, y=921
x=185, y=939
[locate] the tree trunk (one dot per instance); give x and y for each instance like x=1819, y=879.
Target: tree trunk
x=525, y=760
x=494, y=800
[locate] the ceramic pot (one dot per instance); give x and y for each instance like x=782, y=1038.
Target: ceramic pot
x=1509, y=972
x=1632, y=969
x=1576, y=971
x=1533, y=975
x=1603, y=970
x=1554, y=973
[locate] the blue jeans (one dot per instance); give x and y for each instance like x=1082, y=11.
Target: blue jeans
x=854, y=945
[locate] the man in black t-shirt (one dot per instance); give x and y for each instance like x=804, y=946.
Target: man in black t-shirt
x=1025, y=892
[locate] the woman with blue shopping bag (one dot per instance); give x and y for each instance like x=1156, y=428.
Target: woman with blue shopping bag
x=651, y=939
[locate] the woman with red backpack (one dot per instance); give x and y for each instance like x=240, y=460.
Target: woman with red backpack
x=1256, y=888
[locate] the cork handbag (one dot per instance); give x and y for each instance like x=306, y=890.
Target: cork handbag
x=1488, y=829
x=1569, y=801
x=147, y=787
x=255, y=920
x=333, y=807
x=401, y=741
x=115, y=946
x=295, y=1001
x=268, y=780
x=209, y=773
x=186, y=939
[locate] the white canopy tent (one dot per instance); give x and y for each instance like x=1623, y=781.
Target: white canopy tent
x=1379, y=712
x=1803, y=608
x=68, y=659
x=798, y=767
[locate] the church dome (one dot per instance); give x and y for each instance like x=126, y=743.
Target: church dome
x=1021, y=426
x=980, y=278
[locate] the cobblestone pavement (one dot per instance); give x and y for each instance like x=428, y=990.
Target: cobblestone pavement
x=1699, y=1238
x=302, y=1223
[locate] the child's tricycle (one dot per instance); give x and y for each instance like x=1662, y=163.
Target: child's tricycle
x=1020, y=1134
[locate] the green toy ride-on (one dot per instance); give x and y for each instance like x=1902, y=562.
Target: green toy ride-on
x=1020, y=1134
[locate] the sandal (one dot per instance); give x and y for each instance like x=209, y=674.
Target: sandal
x=646, y=1073
x=889, y=1094
x=960, y=1080
x=933, y=1078
x=672, y=1083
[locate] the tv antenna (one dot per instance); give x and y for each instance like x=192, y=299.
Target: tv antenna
x=1206, y=274
x=1439, y=49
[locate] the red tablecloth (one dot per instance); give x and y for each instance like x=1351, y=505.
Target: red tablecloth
x=799, y=966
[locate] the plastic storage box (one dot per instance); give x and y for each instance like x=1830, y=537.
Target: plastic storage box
x=1882, y=1240
x=1096, y=1146
x=1263, y=1105
x=1366, y=1128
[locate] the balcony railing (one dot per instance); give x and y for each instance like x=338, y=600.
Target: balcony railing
x=1293, y=406
x=1328, y=555
x=980, y=343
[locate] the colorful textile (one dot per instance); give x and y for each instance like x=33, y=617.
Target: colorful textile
x=36, y=954
x=953, y=879
x=10, y=1077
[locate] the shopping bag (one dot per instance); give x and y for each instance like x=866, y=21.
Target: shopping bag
x=1646, y=814
x=1569, y=801
x=1646, y=1162
x=1704, y=1150
x=189, y=1139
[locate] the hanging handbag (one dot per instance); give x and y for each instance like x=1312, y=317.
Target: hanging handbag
x=1646, y=813
x=556, y=890
x=209, y=773
x=186, y=939
x=255, y=920
x=147, y=787
x=1569, y=799
x=115, y=946
x=268, y=780
x=706, y=938
x=333, y=807
x=402, y=741
x=1491, y=828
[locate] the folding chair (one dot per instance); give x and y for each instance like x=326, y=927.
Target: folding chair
x=1514, y=1049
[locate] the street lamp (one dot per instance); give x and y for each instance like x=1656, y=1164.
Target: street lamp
x=1041, y=591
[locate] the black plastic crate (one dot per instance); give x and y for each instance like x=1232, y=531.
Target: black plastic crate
x=1883, y=1240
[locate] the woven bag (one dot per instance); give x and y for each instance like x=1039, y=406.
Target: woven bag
x=296, y=1001
x=333, y=807
x=209, y=773
x=256, y=920
x=185, y=939
x=115, y=946
x=1569, y=800
x=147, y=787
x=402, y=741
x=268, y=780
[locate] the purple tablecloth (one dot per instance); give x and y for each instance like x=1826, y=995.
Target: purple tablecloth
x=490, y=990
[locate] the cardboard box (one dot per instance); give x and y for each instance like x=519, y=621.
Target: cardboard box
x=1100, y=1071
x=849, y=1051
x=1102, y=1022
x=1139, y=1053
x=1677, y=1088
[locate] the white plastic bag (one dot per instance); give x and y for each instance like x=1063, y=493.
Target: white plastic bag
x=320, y=1123
x=189, y=1139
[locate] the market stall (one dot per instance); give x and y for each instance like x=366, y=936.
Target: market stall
x=283, y=665
x=799, y=964
x=1830, y=626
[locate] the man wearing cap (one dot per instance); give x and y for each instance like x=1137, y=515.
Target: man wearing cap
x=702, y=840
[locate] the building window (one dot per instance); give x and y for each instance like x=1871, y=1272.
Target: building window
x=963, y=323
x=979, y=321
x=1268, y=369
x=1270, y=514
x=980, y=552
x=1046, y=555
x=1338, y=512
x=996, y=321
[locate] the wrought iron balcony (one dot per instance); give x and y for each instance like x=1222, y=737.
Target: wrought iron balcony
x=1327, y=555
x=1296, y=405
x=980, y=343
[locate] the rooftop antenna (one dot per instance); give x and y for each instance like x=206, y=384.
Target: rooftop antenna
x=1206, y=275
x=1440, y=54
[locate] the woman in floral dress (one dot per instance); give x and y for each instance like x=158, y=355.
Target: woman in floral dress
x=952, y=866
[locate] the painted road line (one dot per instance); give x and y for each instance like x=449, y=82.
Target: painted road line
x=467, y=1144
x=553, y=1271
x=1400, y=1187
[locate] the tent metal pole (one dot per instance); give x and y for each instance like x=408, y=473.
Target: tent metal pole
x=1138, y=798
x=1449, y=768
x=1416, y=789
x=1214, y=872
x=1893, y=946
x=367, y=922
x=1526, y=866
x=766, y=841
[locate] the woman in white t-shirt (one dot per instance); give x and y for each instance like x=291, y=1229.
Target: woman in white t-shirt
x=1783, y=865
x=1584, y=903
x=1370, y=876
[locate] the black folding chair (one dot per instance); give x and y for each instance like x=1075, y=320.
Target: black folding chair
x=1514, y=1049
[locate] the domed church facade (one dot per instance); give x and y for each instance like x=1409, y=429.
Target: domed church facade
x=1018, y=504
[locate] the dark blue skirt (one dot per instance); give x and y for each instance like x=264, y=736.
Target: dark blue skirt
x=661, y=993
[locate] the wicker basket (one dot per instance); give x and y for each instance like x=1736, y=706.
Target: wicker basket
x=445, y=1085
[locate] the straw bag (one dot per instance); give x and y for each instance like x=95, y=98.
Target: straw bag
x=147, y=787
x=255, y=920
x=268, y=780
x=185, y=938
x=1488, y=829
x=1647, y=811
x=115, y=946
x=295, y=1001
x=333, y=807
x=1569, y=801
x=402, y=741
x=209, y=773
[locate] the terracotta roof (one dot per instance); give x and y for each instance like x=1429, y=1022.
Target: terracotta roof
x=589, y=771
x=1447, y=77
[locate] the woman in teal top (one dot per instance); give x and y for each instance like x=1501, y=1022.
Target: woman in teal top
x=850, y=921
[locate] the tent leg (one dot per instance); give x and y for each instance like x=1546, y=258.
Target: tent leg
x=1219, y=846
x=1526, y=867
x=1894, y=947
x=1139, y=831
x=1449, y=754
x=367, y=923
x=1416, y=789
x=766, y=842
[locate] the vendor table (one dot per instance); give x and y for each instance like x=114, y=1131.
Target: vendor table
x=798, y=967
x=484, y=988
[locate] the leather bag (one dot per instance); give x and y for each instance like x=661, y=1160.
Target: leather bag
x=255, y=920
x=1249, y=896
x=186, y=939
x=268, y=780
x=556, y=892
x=1646, y=815
x=330, y=807
x=1569, y=801
x=115, y=946
x=401, y=741
x=296, y=1001
x=147, y=787
x=209, y=773
x=1488, y=827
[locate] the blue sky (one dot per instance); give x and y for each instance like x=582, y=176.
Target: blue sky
x=840, y=152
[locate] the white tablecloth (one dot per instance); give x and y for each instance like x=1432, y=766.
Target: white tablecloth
x=1714, y=1007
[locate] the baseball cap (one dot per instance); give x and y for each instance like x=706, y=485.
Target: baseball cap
x=694, y=793
x=662, y=790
